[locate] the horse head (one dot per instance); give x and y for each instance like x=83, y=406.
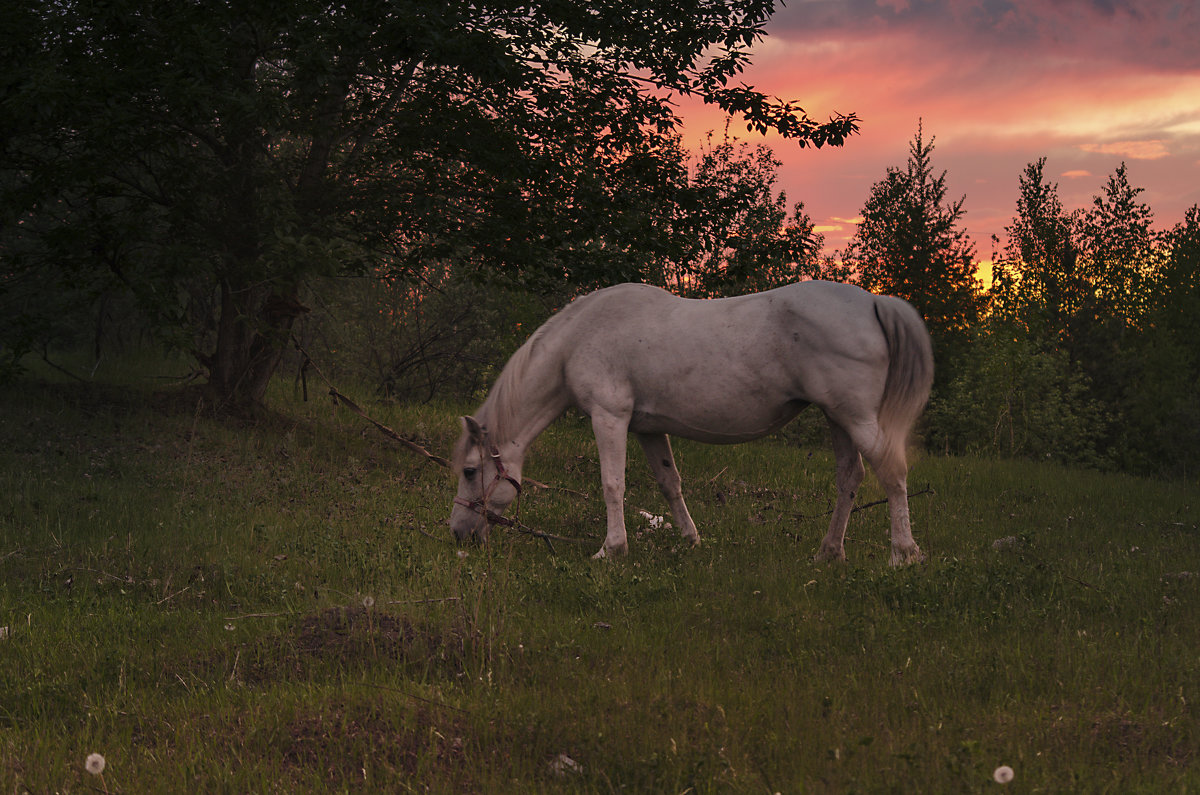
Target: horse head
x=486, y=487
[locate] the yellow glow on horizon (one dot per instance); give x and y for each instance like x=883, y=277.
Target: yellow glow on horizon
x=983, y=272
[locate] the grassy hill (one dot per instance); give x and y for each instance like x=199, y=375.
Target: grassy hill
x=276, y=606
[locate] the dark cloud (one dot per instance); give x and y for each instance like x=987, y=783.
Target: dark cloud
x=1160, y=35
x=998, y=83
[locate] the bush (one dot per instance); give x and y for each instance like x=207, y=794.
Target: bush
x=1013, y=398
x=411, y=341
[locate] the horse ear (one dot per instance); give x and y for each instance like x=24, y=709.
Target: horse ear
x=473, y=429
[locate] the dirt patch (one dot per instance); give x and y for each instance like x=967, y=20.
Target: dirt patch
x=345, y=638
x=333, y=643
x=1128, y=737
x=367, y=744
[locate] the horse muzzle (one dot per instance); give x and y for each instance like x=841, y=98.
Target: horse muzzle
x=471, y=520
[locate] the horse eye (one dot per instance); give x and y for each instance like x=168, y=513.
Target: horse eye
x=469, y=472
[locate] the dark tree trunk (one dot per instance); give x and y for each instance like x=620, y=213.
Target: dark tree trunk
x=252, y=335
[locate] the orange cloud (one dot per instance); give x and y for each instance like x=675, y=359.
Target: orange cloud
x=1134, y=150
x=1083, y=83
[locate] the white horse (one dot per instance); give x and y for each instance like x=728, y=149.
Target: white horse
x=638, y=359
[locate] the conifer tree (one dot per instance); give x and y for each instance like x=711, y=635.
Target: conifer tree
x=910, y=244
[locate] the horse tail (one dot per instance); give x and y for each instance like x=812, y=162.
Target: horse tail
x=909, y=375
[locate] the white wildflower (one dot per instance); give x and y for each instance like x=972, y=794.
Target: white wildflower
x=94, y=764
x=564, y=765
x=1003, y=774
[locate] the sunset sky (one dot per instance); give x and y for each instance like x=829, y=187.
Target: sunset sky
x=998, y=83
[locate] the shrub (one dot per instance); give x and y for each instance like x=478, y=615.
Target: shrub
x=1013, y=398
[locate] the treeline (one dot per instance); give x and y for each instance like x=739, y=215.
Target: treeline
x=1084, y=348
x=408, y=189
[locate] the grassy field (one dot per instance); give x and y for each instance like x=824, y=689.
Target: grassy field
x=226, y=606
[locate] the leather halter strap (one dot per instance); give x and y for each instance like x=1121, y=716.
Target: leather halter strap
x=479, y=506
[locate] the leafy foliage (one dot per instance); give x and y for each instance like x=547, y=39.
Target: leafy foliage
x=444, y=339
x=1013, y=399
x=1083, y=348
x=1035, y=280
x=910, y=244
x=211, y=159
x=735, y=232
x=1111, y=302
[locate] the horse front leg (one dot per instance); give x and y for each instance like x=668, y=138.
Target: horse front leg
x=657, y=448
x=611, y=438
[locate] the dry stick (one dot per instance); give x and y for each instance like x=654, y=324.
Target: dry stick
x=857, y=508
x=414, y=696
x=419, y=450
x=257, y=615
x=172, y=596
x=338, y=397
x=63, y=370
x=425, y=601
x=411, y=445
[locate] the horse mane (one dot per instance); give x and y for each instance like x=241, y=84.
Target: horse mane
x=502, y=412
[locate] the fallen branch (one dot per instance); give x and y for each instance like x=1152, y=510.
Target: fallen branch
x=172, y=596
x=338, y=397
x=411, y=445
x=548, y=537
x=257, y=615
x=864, y=506
x=415, y=697
x=425, y=601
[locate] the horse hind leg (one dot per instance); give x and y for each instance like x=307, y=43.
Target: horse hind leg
x=850, y=474
x=888, y=458
x=657, y=448
x=892, y=471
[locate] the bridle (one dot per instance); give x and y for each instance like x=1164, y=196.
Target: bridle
x=479, y=506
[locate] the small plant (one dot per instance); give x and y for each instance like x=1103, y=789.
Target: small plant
x=95, y=764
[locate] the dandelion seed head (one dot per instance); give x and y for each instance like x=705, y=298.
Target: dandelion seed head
x=94, y=764
x=1003, y=774
x=368, y=602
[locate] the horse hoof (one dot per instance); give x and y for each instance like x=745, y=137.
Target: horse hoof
x=907, y=557
x=830, y=555
x=611, y=552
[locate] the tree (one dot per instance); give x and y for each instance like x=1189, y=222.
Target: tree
x=1074, y=291
x=1036, y=280
x=1022, y=392
x=1177, y=283
x=909, y=244
x=1160, y=412
x=1119, y=252
x=734, y=232
x=212, y=158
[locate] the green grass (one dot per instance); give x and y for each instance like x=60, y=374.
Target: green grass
x=276, y=606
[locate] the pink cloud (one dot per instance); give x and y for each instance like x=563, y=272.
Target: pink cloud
x=1135, y=150
x=997, y=84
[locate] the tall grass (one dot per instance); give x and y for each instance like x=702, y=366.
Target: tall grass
x=275, y=605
